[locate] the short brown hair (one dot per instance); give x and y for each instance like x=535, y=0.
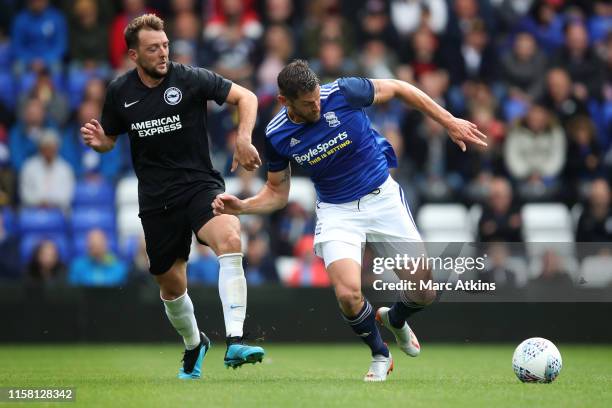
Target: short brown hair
x=296, y=78
x=146, y=21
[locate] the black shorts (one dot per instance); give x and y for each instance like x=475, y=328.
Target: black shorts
x=168, y=233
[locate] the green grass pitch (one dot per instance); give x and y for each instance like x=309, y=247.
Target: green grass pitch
x=457, y=375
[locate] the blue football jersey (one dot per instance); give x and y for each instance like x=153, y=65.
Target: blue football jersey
x=343, y=155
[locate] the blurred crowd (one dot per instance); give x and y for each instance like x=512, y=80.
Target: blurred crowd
x=534, y=75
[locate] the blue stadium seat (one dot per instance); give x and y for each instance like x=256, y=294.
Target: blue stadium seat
x=7, y=90
x=129, y=248
x=607, y=123
x=596, y=110
x=42, y=220
x=598, y=26
x=80, y=243
x=26, y=82
x=5, y=57
x=513, y=109
x=8, y=218
x=88, y=218
x=29, y=242
x=94, y=193
x=77, y=80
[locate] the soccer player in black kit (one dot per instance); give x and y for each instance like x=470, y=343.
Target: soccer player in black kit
x=161, y=105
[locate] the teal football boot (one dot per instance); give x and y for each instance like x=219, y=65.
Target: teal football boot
x=192, y=360
x=238, y=353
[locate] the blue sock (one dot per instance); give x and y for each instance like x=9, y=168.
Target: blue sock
x=364, y=325
x=402, y=310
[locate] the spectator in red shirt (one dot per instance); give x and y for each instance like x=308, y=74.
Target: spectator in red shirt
x=310, y=269
x=117, y=45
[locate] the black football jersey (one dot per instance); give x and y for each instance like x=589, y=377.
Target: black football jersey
x=167, y=130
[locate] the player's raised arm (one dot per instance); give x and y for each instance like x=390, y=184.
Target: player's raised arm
x=246, y=155
x=94, y=137
x=459, y=130
x=273, y=196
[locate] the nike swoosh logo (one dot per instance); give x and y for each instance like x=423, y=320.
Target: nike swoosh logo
x=235, y=306
x=127, y=105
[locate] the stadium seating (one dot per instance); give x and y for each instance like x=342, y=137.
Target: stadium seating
x=5, y=57
x=128, y=222
x=94, y=193
x=76, y=83
x=284, y=267
x=569, y=264
x=8, y=218
x=303, y=192
x=129, y=228
x=596, y=272
x=445, y=223
x=41, y=220
x=607, y=123
x=128, y=247
x=232, y=185
x=7, y=90
x=127, y=191
x=85, y=219
x=113, y=206
x=547, y=223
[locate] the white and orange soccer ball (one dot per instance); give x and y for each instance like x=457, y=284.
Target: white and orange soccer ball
x=536, y=360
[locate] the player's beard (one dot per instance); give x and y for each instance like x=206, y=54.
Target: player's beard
x=312, y=118
x=316, y=117
x=153, y=72
x=306, y=117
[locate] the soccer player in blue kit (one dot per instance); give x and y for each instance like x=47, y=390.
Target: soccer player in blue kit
x=325, y=130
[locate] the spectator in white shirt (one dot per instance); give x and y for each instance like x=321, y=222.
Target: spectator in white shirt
x=47, y=180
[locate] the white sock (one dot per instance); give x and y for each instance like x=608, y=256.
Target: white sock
x=233, y=293
x=180, y=314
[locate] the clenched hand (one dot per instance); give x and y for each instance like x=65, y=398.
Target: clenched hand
x=246, y=155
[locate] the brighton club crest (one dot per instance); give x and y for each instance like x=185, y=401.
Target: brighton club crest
x=173, y=95
x=332, y=119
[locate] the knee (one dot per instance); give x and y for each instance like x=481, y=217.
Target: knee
x=172, y=284
x=424, y=297
x=229, y=243
x=226, y=240
x=349, y=298
x=429, y=297
x=171, y=291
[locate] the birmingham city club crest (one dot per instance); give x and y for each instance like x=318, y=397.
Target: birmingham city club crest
x=332, y=119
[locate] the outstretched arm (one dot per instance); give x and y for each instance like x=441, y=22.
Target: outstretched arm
x=273, y=196
x=245, y=153
x=459, y=130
